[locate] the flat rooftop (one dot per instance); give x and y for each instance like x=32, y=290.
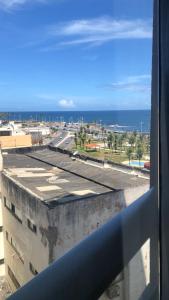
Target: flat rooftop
x=55, y=176
x=111, y=178
x=47, y=182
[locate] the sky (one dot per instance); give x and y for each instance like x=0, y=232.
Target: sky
x=60, y=55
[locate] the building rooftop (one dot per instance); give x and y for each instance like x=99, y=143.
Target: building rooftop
x=49, y=183
x=53, y=176
x=109, y=177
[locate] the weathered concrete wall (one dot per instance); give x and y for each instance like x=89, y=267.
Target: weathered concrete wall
x=25, y=150
x=1, y=162
x=29, y=243
x=60, y=228
x=15, y=141
x=2, y=268
x=75, y=220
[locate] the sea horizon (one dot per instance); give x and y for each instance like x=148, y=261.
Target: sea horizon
x=94, y=110
x=135, y=120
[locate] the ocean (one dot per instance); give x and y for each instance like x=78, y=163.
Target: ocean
x=138, y=120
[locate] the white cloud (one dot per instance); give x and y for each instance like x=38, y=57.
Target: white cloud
x=57, y=100
x=65, y=103
x=138, y=83
x=98, y=31
x=12, y=4
x=47, y=96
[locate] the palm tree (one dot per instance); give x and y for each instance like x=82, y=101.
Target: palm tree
x=102, y=129
x=110, y=140
x=75, y=139
x=135, y=134
x=139, y=152
x=83, y=138
x=125, y=135
x=120, y=141
x=115, y=142
x=89, y=141
x=132, y=140
x=129, y=153
x=141, y=137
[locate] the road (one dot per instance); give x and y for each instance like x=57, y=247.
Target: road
x=63, y=139
x=68, y=143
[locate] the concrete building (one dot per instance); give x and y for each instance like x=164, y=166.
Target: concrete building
x=12, y=136
x=10, y=129
x=43, y=130
x=50, y=203
x=15, y=141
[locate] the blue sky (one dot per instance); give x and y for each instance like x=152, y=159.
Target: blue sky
x=75, y=54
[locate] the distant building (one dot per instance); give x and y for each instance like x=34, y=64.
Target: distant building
x=42, y=130
x=10, y=129
x=12, y=136
x=15, y=141
x=50, y=203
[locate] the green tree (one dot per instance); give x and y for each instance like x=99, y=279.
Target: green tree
x=115, y=142
x=103, y=130
x=139, y=152
x=141, y=138
x=125, y=135
x=120, y=141
x=89, y=140
x=110, y=140
x=83, y=138
x=75, y=139
x=104, y=141
x=132, y=140
x=129, y=153
x=135, y=134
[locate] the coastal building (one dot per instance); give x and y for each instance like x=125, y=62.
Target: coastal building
x=43, y=130
x=51, y=202
x=15, y=141
x=37, y=133
x=12, y=136
x=10, y=129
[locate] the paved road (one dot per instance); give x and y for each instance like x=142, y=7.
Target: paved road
x=68, y=143
x=59, y=138
x=63, y=139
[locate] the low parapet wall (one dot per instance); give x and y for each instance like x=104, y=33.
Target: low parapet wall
x=24, y=150
x=102, y=162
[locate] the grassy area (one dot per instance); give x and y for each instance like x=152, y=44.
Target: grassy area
x=117, y=157
x=120, y=154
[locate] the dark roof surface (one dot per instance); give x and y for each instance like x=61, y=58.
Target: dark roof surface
x=111, y=178
x=49, y=182
x=53, y=175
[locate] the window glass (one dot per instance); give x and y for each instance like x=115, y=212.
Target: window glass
x=75, y=128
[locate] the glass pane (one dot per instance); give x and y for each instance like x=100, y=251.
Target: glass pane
x=74, y=129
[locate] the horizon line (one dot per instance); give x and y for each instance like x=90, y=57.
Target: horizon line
x=47, y=111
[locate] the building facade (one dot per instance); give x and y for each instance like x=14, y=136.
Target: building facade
x=48, y=208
